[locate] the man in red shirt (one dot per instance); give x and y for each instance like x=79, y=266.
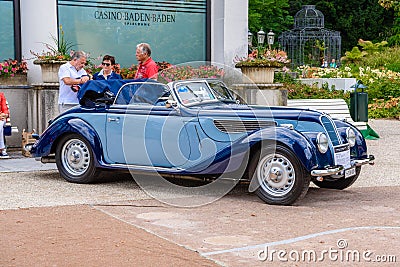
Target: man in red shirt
x=147, y=67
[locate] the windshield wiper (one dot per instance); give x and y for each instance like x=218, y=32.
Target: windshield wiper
x=195, y=95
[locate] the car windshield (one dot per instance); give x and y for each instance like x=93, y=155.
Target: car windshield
x=221, y=91
x=194, y=92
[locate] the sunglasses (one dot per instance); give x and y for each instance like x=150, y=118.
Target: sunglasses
x=105, y=64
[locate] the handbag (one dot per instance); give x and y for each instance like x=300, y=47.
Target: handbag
x=7, y=129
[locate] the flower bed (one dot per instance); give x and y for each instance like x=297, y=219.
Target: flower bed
x=11, y=67
x=263, y=58
x=174, y=73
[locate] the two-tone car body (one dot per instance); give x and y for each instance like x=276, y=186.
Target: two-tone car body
x=198, y=128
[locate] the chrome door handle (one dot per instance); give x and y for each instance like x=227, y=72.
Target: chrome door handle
x=113, y=119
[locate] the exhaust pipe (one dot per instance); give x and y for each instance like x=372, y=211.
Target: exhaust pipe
x=48, y=160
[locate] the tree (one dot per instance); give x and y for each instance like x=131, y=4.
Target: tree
x=395, y=6
x=364, y=19
x=269, y=15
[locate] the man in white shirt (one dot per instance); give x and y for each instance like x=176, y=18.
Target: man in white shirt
x=71, y=75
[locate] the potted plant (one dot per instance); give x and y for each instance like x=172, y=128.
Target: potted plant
x=51, y=59
x=260, y=64
x=13, y=72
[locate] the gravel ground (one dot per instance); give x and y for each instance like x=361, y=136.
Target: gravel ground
x=386, y=171
x=47, y=188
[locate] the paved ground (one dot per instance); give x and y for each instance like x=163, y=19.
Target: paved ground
x=116, y=224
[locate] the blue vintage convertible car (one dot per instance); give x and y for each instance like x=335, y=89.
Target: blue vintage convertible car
x=200, y=129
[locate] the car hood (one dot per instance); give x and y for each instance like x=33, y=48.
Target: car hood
x=257, y=112
x=227, y=123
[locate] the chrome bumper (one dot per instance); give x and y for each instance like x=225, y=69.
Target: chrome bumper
x=336, y=169
x=370, y=160
x=327, y=171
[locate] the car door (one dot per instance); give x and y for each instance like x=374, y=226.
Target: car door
x=146, y=135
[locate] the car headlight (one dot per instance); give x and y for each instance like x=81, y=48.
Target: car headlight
x=322, y=143
x=350, y=136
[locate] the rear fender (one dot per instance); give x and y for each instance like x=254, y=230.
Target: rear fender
x=48, y=141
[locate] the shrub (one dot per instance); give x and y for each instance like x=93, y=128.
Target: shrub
x=383, y=89
x=381, y=108
x=302, y=91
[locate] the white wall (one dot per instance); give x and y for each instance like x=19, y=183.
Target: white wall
x=217, y=30
x=236, y=28
x=38, y=22
x=228, y=30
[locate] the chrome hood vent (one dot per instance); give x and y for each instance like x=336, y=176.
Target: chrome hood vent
x=331, y=130
x=240, y=126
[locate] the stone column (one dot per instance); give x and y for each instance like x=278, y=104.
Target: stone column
x=17, y=97
x=42, y=105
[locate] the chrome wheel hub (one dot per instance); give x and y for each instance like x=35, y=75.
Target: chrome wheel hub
x=75, y=157
x=276, y=175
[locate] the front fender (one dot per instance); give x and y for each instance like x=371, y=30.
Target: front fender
x=295, y=141
x=48, y=141
x=359, y=151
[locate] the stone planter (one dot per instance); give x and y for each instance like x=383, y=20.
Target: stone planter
x=49, y=70
x=262, y=94
x=259, y=75
x=17, y=79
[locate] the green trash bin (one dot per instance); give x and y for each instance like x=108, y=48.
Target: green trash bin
x=359, y=103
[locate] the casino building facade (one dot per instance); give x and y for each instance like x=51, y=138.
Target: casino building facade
x=179, y=31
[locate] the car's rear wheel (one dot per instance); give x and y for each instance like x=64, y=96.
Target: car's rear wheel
x=281, y=178
x=75, y=161
x=339, y=184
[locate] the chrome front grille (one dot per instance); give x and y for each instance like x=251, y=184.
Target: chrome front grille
x=330, y=128
x=239, y=126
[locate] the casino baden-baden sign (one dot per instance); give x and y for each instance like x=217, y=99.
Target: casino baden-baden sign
x=175, y=29
x=135, y=18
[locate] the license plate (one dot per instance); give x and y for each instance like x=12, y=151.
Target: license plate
x=350, y=172
x=342, y=156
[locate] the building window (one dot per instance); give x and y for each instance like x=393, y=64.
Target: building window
x=7, y=29
x=176, y=30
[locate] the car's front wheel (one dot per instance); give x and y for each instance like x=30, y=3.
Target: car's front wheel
x=75, y=161
x=339, y=184
x=280, y=177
